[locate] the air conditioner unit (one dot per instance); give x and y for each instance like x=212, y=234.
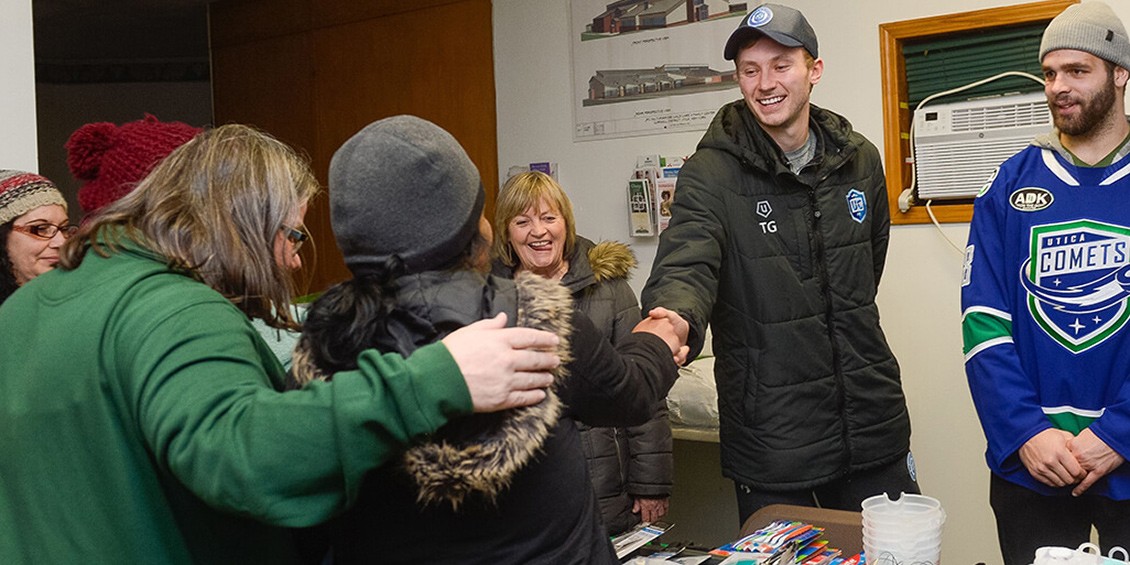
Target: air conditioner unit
x=957, y=145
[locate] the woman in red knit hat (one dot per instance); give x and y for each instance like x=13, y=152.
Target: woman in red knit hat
x=33, y=226
x=111, y=160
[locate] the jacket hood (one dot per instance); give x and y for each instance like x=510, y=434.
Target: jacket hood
x=611, y=260
x=477, y=454
x=1050, y=141
x=735, y=130
x=594, y=263
x=481, y=453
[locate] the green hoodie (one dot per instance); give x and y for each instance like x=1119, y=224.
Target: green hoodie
x=141, y=422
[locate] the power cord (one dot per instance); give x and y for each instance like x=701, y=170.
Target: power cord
x=906, y=198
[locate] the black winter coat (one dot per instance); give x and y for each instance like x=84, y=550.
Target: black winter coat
x=785, y=269
x=624, y=462
x=547, y=513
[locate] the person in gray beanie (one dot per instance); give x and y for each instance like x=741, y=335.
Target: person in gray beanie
x=422, y=168
x=1091, y=27
x=407, y=210
x=1045, y=350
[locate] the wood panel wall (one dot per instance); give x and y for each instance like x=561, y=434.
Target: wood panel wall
x=314, y=72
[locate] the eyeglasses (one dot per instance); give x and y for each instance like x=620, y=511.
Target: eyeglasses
x=46, y=231
x=295, y=236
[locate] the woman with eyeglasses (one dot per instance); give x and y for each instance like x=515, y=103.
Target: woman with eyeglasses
x=33, y=226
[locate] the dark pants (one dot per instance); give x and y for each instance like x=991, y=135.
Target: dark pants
x=1027, y=520
x=846, y=493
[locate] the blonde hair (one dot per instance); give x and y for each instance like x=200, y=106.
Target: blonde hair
x=213, y=209
x=521, y=192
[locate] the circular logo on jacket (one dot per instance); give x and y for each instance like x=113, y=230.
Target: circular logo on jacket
x=1031, y=199
x=857, y=205
x=759, y=17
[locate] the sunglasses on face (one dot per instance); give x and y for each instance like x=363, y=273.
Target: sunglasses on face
x=46, y=231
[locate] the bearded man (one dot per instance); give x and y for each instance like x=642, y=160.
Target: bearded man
x=1045, y=303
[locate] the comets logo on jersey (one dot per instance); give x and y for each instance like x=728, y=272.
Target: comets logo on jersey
x=1078, y=280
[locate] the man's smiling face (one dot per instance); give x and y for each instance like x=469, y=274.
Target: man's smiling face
x=775, y=81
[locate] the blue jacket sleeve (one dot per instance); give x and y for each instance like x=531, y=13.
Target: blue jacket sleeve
x=1004, y=395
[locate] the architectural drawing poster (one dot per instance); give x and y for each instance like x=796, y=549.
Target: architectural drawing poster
x=642, y=67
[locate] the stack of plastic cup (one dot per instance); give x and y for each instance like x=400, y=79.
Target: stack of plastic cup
x=904, y=531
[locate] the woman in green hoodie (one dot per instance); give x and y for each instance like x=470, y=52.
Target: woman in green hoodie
x=141, y=415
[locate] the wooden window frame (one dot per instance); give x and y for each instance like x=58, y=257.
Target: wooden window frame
x=896, y=113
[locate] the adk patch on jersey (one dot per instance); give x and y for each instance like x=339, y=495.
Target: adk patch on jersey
x=1077, y=277
x=857, y=205
x=1031, y=199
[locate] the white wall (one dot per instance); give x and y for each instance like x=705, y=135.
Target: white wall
x=919, y=292
x=17, y=89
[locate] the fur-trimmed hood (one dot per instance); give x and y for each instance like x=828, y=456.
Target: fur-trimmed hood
x=610, y=260
x=595, y=263
x=481, y=453
x=477, y=454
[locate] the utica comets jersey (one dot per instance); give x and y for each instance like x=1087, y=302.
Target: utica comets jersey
x=1044, y=297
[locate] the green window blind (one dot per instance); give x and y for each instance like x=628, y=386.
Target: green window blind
x=939, y=64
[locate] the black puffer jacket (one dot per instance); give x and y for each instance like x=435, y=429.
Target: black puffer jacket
x=785, y=268
x=543, y=513
x=623, y=462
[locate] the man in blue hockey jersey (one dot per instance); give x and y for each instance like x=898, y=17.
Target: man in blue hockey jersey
x=1046, y=303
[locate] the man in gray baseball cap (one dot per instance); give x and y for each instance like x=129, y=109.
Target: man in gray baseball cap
x=1046, y=359
x=782, y=24
x=777, y=240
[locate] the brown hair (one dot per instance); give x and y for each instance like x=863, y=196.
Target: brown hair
x=213, y=209
x=521, y=192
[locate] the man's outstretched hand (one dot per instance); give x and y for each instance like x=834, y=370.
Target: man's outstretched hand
x=671, y=328
x=503, y=367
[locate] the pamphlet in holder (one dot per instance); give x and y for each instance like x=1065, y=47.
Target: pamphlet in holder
x=636, y=537
x=642, y=221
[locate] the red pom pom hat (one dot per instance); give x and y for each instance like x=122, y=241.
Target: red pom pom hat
x=111, y=160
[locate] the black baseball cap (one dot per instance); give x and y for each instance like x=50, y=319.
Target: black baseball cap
x=782, y=24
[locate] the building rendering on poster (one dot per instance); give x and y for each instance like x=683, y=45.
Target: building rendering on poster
x=643, y=67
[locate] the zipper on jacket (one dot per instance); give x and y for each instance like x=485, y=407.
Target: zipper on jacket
x=829, y=318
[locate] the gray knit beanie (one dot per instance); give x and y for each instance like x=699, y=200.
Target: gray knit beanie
x=403, y=187
x=1091, y=27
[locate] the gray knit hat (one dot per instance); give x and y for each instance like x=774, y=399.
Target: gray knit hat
x=22, y=192
x=1091, y=27
x=403, y=187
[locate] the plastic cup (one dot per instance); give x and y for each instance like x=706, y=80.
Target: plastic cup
x=903, y=531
